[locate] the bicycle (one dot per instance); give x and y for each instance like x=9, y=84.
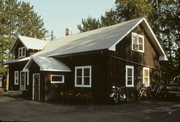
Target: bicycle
x=118, y=95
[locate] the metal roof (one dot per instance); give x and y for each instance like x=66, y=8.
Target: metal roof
x=47, y=64
x=16, y=60
x=30, y=43
x=103, y=38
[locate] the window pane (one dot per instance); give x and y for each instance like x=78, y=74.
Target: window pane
x=129, y=72
x=129, y=81
x=145, y=73
x=86, y=72
x=56, y=78
x=79, y=81
x=140, y=40
x=79, y=72
x=146, y=80
x=140, y=47
x=24, y=52
x=134, y=39
x=86, y=81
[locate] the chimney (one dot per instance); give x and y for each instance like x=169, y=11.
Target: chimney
x=68, y=31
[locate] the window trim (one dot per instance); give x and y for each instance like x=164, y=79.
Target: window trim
x=57, y=81
x=90, y=76
x=146, y=68
x=21, y=51
x=139, y=36
x=16, y=83
x=129, y=67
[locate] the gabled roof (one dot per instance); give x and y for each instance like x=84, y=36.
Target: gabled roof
x=30, y=43
x=103, y=38
x=47, y=64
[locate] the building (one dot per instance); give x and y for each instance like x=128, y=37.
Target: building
x=127, y=54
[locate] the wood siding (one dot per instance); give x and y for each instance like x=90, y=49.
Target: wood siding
x=124, y=55
x=15, y=67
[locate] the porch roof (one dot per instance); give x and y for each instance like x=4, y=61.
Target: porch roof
x=47, y=64
x=16, y=60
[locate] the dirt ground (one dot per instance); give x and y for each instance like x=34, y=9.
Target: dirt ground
x=18, y=109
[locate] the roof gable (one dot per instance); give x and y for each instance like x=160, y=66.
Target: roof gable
x=30, y=43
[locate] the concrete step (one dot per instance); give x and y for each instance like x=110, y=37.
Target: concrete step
x=13, y=93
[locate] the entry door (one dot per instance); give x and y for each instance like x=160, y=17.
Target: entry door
x=36, y=87
x=23, y=81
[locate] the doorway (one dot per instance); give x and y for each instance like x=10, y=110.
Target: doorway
x=36, y=87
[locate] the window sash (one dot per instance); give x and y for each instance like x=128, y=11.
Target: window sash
x=146, y=77
x=16, y=77
x=22, y=52
x=137, y=42
x=129, y=76
x=85, y=76
x=57, y=81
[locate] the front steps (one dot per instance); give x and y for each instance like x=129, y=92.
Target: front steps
x=13, y=93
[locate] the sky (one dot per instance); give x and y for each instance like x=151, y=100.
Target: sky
x=61, y=14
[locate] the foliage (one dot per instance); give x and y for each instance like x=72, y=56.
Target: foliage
x=89, y=24
x=17, y=18
x=52, y=37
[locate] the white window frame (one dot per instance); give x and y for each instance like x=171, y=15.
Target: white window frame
x=27, y=78
x=57, y=81
x=129, y=67
x=16, y=78
x=21, y=52
x=148, y=84
x=90, y=76
x=138, y=36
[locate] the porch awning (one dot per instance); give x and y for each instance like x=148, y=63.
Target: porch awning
x=47, y=64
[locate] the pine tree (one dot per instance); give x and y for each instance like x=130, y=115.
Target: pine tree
x=17, y=18
x=88, y=24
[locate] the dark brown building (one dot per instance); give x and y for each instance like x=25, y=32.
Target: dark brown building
x=89, y=63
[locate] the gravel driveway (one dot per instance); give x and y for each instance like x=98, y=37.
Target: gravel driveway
x=18, y=109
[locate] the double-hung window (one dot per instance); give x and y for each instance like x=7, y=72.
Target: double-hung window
x=137, y=42
x=146, y=78
x=16, y=77
x=21, y=52
x=129, y=76
x=83, y=76
x=57, y=78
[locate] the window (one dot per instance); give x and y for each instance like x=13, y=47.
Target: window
x=16, y=77
x=57, y=78
x=83, y=76
x=0, y=82
x=137, y=42
x=22, y=52
x=27, y=80
x=146, y=80
x=129, y=76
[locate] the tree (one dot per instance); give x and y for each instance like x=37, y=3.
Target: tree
x=17, y=18
x=88, y=24
x=52, y=37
